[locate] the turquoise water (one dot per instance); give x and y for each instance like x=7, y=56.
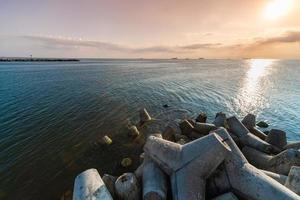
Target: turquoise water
x=52, y=115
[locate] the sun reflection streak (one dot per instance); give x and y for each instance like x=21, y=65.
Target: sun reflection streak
x=251, y=95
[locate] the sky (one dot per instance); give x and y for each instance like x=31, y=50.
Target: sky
x=150, y=28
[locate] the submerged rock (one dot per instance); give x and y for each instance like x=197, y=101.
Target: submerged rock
x=107, y=140
x=126, y=162
x=262, y=124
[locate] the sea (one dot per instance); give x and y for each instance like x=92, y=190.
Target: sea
x=53, y=115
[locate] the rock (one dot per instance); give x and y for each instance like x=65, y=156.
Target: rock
x=293, y=180
x=249, y=121
x=277, y=138
x=133, y=131
x=127, y=187
x=262, y=124
x=201, y=118
x=126, y=162
x=107, y=140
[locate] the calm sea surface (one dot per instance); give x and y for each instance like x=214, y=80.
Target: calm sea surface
x=53, y=115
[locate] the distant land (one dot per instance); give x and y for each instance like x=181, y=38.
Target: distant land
x=39, y=60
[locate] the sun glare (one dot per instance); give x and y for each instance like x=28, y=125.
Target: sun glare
x=277, y=8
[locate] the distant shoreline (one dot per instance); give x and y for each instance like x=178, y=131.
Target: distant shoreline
x=39, y=60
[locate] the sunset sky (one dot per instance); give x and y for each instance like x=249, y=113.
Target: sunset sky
x=150, y=28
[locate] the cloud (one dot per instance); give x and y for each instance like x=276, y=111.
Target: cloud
x=71, y=42
x=257, y=47
x=201, y=46
x=288, y=37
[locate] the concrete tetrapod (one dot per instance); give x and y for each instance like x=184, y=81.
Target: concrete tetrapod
x=280, y=163
x=249, y=122
x=280, y=178
x=292, y=145
x=144, y=116
x=204, y=128
x=89, y=186
x=248, y=181
x=220, y=119
x=226, y=196
x=247, y=138
x=188, y=165
x=127, y=187
x=293, y=180
x=277, y=138
x=154, y=181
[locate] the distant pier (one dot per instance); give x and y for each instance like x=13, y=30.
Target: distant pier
x=39, y=60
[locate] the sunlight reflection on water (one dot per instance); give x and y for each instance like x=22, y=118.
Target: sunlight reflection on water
x=251, y=96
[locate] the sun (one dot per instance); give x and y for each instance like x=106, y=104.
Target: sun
x=277, y=8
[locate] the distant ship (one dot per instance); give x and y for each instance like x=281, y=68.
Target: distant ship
x=174, y=58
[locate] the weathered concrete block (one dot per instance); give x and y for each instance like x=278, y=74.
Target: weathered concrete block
x=220, y=120
x=277, y=138
x=189, y=165
x=204, y=128
x=144, y=116
x=109, y=181
x=226, y=196
x=292, y=145
x=169, y=134
x=89, y=186
x=247, y=138
x=154, y=181
x=255, y=131
x=127, y=187
x=248, y=181
x=201, y=118
x=186, y=127
x=280, y=178
x=133, y=131
x=249, y=121
x=293, y=180
x=280, y=163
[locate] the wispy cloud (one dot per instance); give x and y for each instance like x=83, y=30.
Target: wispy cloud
x=217, y=49
x=288, y=37
x=71, y=42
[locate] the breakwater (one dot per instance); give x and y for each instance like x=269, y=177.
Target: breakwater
x=38, y=60
x=197, y=160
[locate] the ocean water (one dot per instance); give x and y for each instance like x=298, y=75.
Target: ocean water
x=53, y=115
